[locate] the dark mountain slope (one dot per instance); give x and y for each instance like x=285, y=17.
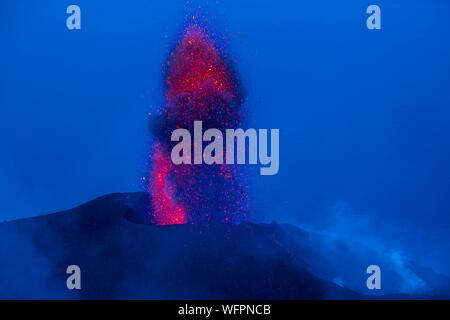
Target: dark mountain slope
x=121, y=256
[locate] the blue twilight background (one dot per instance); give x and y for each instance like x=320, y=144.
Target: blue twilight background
x=364, y=116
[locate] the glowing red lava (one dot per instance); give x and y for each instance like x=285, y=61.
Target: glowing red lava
x=200, y=86
x=166, y=211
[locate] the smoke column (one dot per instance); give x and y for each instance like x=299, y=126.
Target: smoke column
x=200, y=85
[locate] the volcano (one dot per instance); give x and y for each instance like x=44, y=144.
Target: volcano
x=122, y=256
